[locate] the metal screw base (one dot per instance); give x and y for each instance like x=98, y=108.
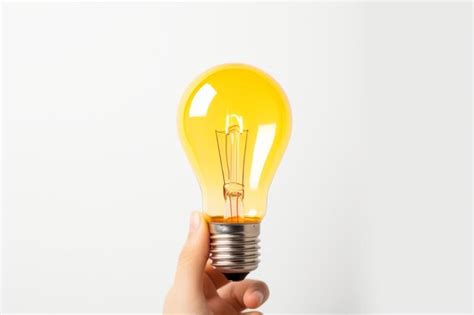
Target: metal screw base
x=234, y=248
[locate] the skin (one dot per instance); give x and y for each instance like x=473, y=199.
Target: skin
x=198, y=289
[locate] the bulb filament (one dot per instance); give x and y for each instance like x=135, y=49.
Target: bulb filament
x=232, y=146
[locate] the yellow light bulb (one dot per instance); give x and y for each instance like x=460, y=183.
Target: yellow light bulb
x=234, y=122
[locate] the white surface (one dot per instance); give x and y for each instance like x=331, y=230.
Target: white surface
x=370, y=211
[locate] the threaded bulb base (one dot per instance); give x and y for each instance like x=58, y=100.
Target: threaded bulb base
x=234, y=248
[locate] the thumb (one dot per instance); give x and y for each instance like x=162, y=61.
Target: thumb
x=194, y=255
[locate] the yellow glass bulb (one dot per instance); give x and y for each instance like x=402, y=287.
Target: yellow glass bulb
x=234, y=122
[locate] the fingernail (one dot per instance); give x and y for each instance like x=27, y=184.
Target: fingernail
x=258, y=296
x=194, y=222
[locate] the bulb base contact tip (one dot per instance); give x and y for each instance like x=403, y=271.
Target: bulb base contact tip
x=234, y=248
x=236, y=276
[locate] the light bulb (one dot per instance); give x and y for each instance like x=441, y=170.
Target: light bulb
x=234, y=122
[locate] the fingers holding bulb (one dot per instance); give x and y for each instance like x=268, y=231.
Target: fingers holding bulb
x=245, y=294
x=194, y=254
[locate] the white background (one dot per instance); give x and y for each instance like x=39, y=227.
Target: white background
x=369, y=212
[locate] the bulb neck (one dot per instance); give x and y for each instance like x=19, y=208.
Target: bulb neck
x=234, y=248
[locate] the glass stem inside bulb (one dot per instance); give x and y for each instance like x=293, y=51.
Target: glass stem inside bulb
x=232, y=146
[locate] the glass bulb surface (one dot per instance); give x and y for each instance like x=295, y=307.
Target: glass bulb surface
x=234, y=122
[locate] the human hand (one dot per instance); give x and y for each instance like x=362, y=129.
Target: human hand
x=199, y=289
